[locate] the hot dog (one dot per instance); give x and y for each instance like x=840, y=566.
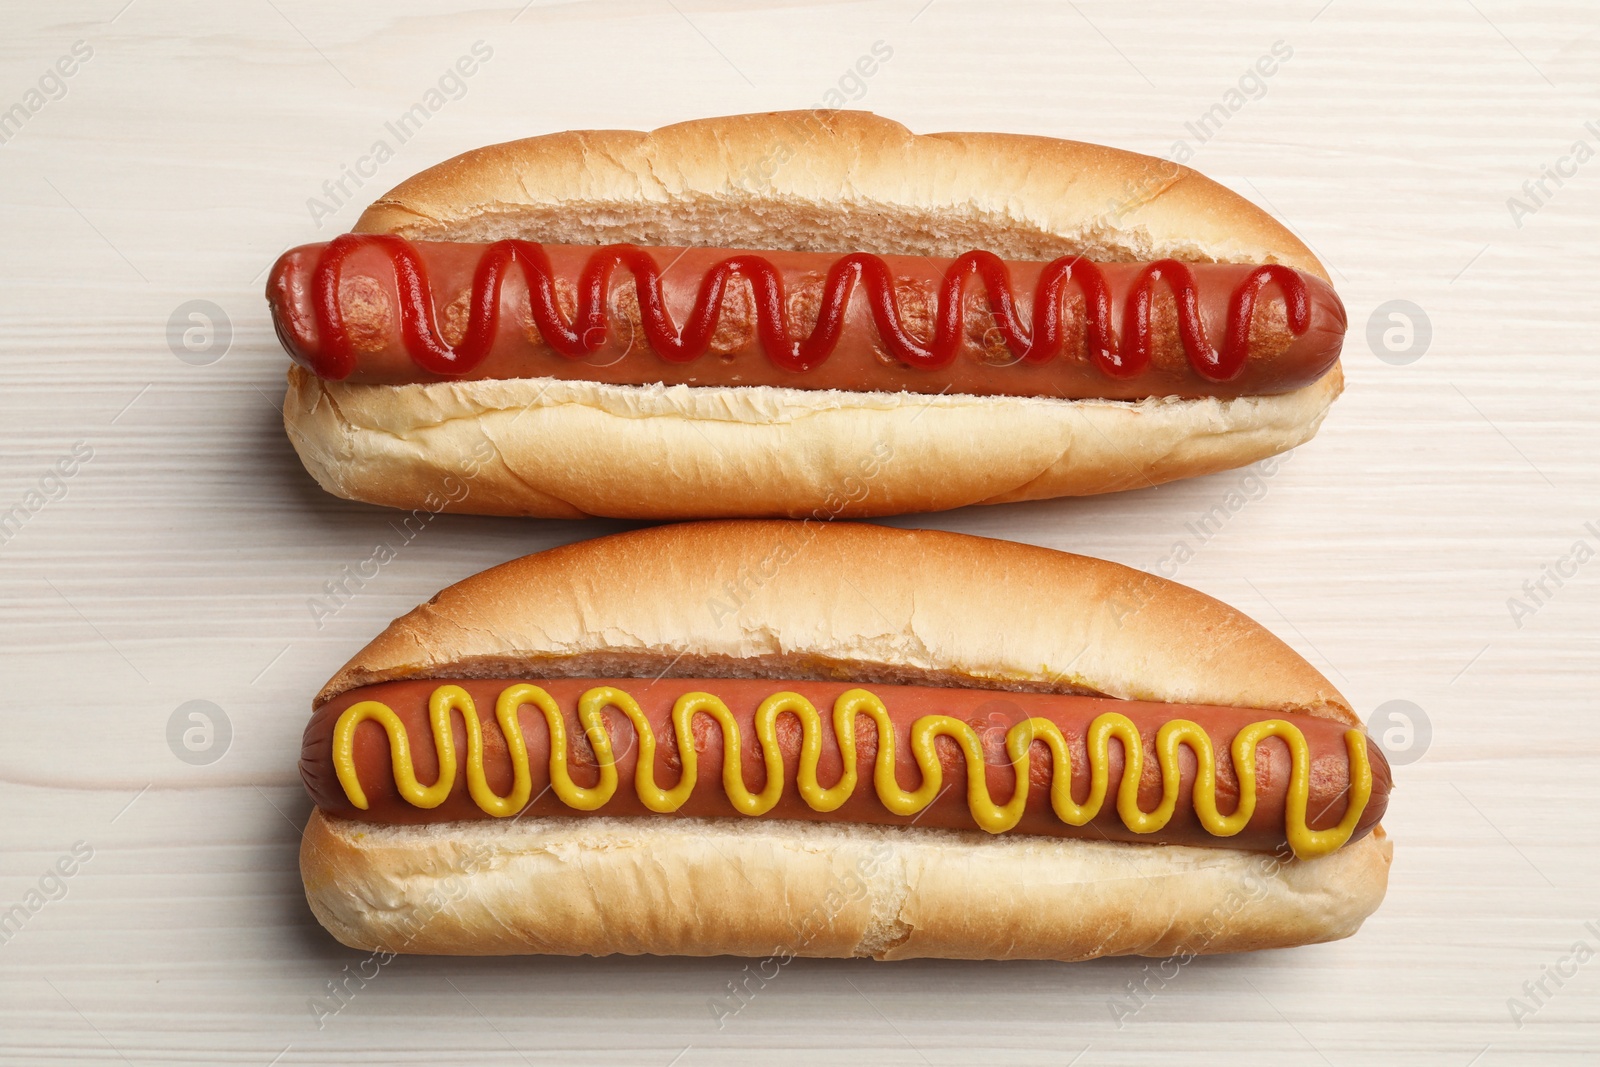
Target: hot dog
x=366, y=309
x=706, y=709
x=679, y=315
x=348, y=762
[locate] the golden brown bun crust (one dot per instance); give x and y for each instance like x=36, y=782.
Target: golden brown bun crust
x=844, y=600
x=692, y=887
x=829, y=600
x=835, y=181
x=819, y=181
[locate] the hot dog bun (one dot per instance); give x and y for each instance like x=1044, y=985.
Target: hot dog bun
x=810, y=181
x=818, y=600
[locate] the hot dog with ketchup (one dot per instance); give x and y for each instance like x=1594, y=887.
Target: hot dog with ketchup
x=367, y=309
x=575, y=740
x=1024, y=317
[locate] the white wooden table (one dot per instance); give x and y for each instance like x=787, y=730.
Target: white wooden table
x=175, y=562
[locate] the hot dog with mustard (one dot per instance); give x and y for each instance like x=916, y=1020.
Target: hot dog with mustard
x=720, y=709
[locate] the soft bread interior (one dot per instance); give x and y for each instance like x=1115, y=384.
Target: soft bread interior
x=795, y=225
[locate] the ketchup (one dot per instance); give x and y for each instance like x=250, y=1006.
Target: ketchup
x=1037, y=342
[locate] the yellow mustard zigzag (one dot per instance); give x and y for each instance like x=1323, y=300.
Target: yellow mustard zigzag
x=995, y=818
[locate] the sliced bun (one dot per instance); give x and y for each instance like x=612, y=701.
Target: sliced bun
x=697, y=887
x=835, y=181
x=829, y=600
x=564, y=449
x=813, y=181
x=844, y=600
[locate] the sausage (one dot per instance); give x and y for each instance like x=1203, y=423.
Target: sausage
x=991, y=715
x=1125, y=331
